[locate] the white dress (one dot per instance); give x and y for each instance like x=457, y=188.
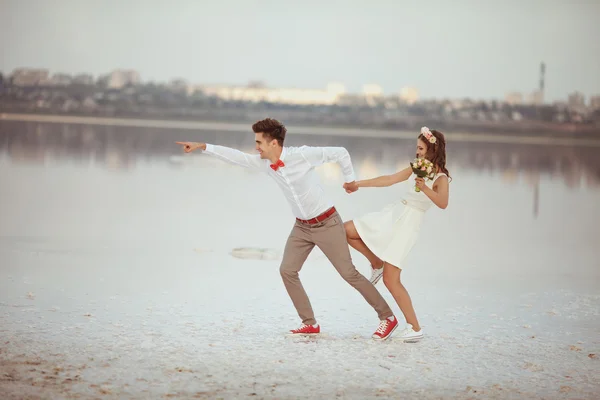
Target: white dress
x=392, y=232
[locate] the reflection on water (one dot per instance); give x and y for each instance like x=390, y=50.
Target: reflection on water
x=121, y=147
x=125, y=148
x=511, y=205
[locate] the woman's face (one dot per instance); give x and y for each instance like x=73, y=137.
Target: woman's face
x=421, y=148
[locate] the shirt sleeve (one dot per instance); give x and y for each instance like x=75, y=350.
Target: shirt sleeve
x=235, y=157
x=316, y=156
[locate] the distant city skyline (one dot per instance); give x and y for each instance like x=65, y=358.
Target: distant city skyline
x=444, y=50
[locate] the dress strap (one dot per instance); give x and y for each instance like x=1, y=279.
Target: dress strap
x=438, y=175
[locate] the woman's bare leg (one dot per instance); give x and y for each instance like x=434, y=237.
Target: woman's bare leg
x=356, y=242
x=391, y=279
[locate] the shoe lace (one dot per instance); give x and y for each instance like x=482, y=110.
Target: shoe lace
x=406, y=331
x=382, y=326
x=303, y=327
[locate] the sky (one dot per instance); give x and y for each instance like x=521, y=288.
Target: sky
x=445, y=49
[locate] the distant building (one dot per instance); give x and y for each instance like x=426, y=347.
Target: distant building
x=536, y=98
x=191, y=89
x=178, y=85
x=514, y=98
x=336, y=88
x=120, y=78
x=409, y=95
x=258, y=93
x=516, y=116
x=576, y=100
x=352, y=100
x=83, y=79
x=60, y=79
x=256, y=84
x=595, y=102
x=30, y=77
x=89, y=103
x=373, y=93
x=372, y=90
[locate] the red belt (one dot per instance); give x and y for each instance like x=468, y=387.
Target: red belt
x=318, y=218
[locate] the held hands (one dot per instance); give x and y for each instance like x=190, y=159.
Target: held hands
x=188, y=147
x=351, y=187
x=420, y=183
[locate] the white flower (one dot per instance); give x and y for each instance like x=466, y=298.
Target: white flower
x=427, y=133
x=428, y=169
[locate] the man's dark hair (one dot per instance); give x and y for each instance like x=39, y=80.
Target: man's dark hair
x=271, y=129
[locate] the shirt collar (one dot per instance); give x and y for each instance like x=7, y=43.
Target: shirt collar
x=283, y=153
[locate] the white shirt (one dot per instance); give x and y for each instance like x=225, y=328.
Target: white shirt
x=297, y=179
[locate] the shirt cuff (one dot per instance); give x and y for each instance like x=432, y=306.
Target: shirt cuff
x=350, y=178
x=209, y=148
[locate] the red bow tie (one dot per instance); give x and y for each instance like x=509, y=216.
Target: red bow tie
x=278, y=164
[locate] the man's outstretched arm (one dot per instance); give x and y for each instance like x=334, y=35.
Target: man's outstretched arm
x=316, y=156
x=227, y=154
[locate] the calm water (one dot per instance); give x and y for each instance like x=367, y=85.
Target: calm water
x=521, y=209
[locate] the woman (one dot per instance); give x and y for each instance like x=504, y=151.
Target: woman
x=386, y=237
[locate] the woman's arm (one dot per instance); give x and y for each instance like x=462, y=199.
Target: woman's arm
x=386, y=180
x=440, y=192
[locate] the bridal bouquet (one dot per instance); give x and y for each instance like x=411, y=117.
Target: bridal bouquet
x=423, y=169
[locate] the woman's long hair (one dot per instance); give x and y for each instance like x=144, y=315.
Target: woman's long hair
x=436, y=152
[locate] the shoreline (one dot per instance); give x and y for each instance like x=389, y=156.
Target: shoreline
x=305, y=130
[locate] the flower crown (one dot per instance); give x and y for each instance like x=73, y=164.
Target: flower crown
x=427, y=133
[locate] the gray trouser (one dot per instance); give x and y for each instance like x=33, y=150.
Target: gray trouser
x=330, y=236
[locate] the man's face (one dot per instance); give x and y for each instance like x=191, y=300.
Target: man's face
x=263, y=145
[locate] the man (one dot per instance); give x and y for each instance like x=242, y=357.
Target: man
x=317, y=221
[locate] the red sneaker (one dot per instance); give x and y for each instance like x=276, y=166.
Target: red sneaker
x=385, y=329
x=307, y=330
